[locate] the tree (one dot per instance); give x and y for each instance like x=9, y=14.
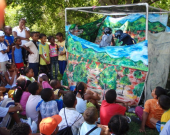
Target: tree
x=137, y=74
x=70, y=68
x=124, y=81
x=138, y=89
x=93, y=65
x=108, y=77
x=126, y=71
x=80, y=73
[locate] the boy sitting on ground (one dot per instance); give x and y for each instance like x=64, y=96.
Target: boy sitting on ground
x=33, y=100
x=89, y=127
x=164, y=102
x=58, y=88
x=49, y=125
x=70, y=117
x=48, y=106
x=109, y=108
x=151, y=111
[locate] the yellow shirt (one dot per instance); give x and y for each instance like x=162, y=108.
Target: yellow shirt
x=165, y=118
x=62, y=48
x=44, y=50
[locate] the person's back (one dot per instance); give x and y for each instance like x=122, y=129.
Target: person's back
x=109, y=108
x=33, y=101
x=90, y=116
x=48, y=107
x=164, y=102
x=70, y=117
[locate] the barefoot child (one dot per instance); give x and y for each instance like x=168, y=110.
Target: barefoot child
x=17, y=53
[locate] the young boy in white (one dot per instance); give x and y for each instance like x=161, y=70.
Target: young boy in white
x=69, y=114
x=3, y=53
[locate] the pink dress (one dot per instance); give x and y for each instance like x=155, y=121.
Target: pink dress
x=23, y=101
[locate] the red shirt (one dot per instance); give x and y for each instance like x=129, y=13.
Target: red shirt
x=108, y=110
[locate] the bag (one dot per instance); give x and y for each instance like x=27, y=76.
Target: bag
x=91, y=130
x=67, y=130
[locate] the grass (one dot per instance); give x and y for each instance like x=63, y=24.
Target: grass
x=134, y=128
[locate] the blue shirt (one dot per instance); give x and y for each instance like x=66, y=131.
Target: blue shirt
x=10, y=40
x=85, y=128
x=47, y=109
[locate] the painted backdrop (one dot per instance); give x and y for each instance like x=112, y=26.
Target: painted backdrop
x=123, y=68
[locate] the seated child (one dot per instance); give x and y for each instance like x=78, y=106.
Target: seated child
x=49, y=125
x=11, y=75
x=164, y=102
x=44, y=80
x=151, y=109
x=7, y=109
x=33, y=100
x=21, y=129
x=166, y=129
x=90, y=116
x=83, y=95
x=70, y=117
x=109, y=107
x=118, y=125
x=29, y=74
x=58, y=89
x=48, y=106
x=21, y=93
x=22, y=71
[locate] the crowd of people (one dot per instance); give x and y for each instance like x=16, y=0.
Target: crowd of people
x=35, y=99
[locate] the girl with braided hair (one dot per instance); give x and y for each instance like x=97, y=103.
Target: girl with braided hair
x=85, y=98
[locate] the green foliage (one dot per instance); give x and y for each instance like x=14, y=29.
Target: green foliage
x=101, y=66
x=48, y=16
x=125, y=80
x=65, y=79
x=79, y=59
x=137, y=74
x=80, y=73
x=108, y=77
x=138, y=89
x=70, y=67
x=119, y=68
x=93, y=65
x=126, y=71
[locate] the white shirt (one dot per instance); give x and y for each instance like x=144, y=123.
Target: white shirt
x=81, y=105
x=32, y=102
x=3, y=57
x=71, y=115
x=3, y=111
x=166, y=129
x=85, y=128
x=21, y=33
x=32, y=58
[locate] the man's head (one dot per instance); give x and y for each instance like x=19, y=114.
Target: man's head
x=59, y=36
x=70, y=100
x=47, y=94
x=8, y=30
x=111, y=96
x=49, y=125
x=90, y=115
x=2, y=34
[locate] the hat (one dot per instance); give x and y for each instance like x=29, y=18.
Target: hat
x=2, y=33
x=48, y=125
